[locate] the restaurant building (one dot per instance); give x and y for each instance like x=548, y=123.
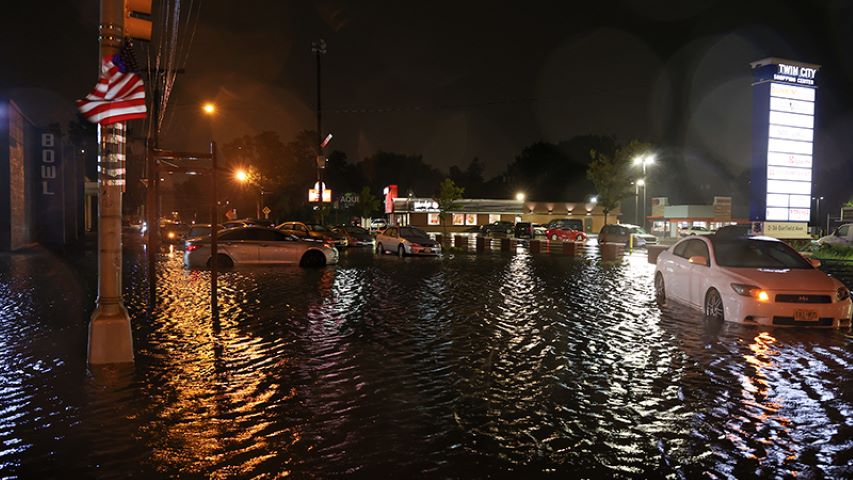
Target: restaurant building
x=423, y=213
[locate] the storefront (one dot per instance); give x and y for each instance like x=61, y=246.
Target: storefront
x=471, y=213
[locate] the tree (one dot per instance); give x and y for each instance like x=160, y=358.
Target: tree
x=610, y=174
x=448, y=194
x=367, y=203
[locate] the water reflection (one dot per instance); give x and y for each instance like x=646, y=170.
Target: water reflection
x=475, y=366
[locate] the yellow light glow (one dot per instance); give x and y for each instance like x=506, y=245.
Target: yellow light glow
x=241, y=176
x=209, y=108
x=519, y=196
x=762, y=296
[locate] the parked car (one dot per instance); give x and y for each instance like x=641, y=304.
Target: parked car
x=234, y=224
x=406, y=241
x=621, y=233
x=313, y=231
x=257, y=245
x=539, y=230
x=566, y=224
x=200, y=230
x=500, y=227
x=356, y=236
x=378, y=224
x=694, y=230
x=565, y=235
x=843, y=235
x=752, y=280
x=523, y=230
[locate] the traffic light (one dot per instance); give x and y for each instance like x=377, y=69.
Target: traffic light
x=137, y=19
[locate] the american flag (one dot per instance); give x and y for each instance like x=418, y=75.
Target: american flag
x=119, y=94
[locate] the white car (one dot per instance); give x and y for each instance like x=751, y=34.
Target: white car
x=693, y=231
x=751, y=280
x=256, y=246
x=842, y=235
x=406, y=241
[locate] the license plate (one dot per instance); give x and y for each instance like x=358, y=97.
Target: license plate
x=805, y=315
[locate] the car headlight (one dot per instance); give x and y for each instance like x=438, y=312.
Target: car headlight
x=171, y=234
x=842, y=294
x=751, y=291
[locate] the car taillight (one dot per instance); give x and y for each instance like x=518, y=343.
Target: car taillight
x=192, y=246
x=415, y=244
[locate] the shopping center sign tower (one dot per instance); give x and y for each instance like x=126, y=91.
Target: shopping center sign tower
x=783, y=126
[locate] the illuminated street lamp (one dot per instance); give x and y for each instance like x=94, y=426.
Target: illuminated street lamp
x=519, y=196
x=208, y=108
x=241, y=175
x=643, y=161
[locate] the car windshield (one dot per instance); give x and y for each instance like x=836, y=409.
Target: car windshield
x=407, y=232
x=638, y=231
x=357, y=230
x=316, y=228
x=754, y=253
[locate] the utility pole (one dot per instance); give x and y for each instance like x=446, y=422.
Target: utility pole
x=110, y=339
x=319, y=48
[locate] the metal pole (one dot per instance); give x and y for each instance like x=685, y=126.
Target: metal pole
x=214, y=221
x=636, y=207
x=151, y=202
x=110, y=339
x=319, y=49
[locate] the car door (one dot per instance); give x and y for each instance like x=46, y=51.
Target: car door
x=676, y=273
x=276, y=247
x=240, y=246
x=390, y=239
x=698, y=274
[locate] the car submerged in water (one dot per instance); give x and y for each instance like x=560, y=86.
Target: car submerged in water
x=750, y=280
x=250, y=245
x=406, y=241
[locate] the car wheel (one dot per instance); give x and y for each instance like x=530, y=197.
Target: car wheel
x=660, y=290
x=714, y=306
x=379, y=250
x=401, y=251
x=554, y=237
x=222, y=262
x=312, y=258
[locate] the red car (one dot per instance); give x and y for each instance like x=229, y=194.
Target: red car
x=565, y=234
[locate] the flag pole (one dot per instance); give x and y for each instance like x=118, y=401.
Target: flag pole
x=110, y=339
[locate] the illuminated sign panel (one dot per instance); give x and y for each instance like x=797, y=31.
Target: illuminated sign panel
x=783, y=136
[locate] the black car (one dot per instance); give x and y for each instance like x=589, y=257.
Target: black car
x=501, y=226
x=523, y=230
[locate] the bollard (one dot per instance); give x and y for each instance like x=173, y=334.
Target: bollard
x=612, y=251
x=484, y=244
x=506, y=244
x=535, y=246
x=571, y=249
x=653, y=251
x=460, y=241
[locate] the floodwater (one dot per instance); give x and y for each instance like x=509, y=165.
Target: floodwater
x=467, y=366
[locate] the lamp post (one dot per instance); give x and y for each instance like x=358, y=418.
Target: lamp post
x=643, y=161
x=209, y=109
x=520, y=196
x=817, y=216
x=319, y=48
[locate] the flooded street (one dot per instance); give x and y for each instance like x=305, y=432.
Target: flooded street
x=466, y=366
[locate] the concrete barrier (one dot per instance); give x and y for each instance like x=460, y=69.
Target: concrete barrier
x=612, y=251
x=508, y=245
x=653, y=251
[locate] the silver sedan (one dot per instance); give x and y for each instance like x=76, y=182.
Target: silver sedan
x=255, y=246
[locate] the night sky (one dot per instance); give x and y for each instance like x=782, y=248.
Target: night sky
x=455, y=80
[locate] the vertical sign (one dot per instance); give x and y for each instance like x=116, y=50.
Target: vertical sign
x=783, y=140
x=49, y=188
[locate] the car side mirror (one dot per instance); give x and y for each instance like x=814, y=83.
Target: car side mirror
x=698, y=260
x=815, y=262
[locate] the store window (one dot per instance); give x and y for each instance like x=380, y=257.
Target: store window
x=459, y=219
x=494, y=218
x=433, y=219
x=470, y=219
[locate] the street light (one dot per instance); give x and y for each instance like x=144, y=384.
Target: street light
x=519, y=196
x=208, y=108
x=241, y=175
x=643, y=161
x=817, y=215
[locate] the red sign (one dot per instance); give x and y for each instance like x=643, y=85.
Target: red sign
x=390, y=195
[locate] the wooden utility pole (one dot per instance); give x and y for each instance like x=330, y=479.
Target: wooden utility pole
x=110, y=339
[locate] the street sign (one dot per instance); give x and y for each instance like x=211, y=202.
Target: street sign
x=266, y=211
